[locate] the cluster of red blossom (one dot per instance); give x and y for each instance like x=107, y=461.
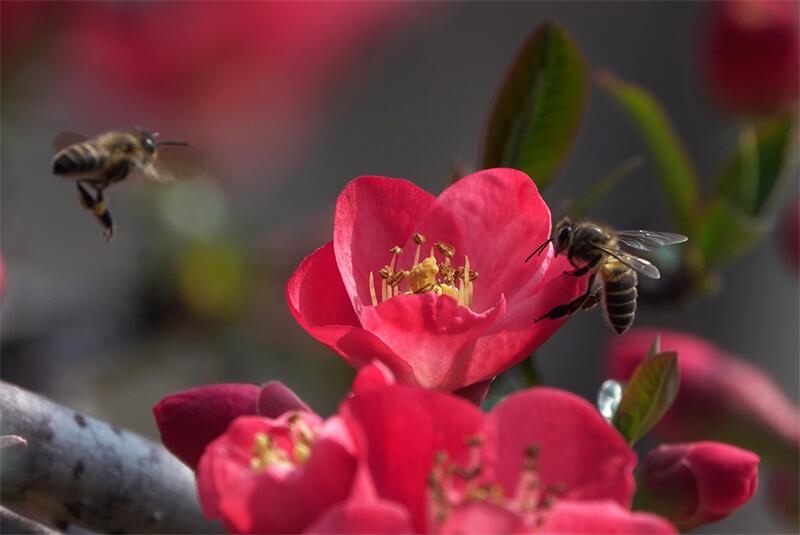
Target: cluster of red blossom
x=429, y=296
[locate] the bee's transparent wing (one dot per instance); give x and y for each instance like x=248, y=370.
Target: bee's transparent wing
x=634, y=262
x=175, y=162
x=65, y=139
x=648, y=239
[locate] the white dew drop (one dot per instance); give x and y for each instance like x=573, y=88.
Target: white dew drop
x=608, y=398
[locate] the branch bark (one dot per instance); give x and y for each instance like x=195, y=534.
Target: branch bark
x=76, y=469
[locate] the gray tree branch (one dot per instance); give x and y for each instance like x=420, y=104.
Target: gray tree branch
x=70, y=468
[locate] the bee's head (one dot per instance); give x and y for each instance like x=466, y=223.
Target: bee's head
x=562, y=235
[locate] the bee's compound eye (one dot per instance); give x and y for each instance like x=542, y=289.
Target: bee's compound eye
x=563, y=234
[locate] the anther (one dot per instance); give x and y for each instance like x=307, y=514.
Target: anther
x=385, y=272
x=448, y=273
x=396, y=250
x=473, y=275
x=446, y=249
x=396, y=278
x=418, y=238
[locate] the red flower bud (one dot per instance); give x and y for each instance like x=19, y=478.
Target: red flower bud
x=698, y=483
x=189, y=420
x=752, y=53
x=275, y=398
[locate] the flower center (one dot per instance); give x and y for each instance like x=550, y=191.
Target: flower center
x=428, y=275
x=267, y=453
x=451, y=486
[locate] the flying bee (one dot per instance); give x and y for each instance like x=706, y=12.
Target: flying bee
x=595, y=249
x=109, y=158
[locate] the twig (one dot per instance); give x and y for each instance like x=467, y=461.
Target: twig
x=79, y=470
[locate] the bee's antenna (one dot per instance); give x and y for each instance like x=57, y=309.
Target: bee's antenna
x=180, y=143
x=539, y=249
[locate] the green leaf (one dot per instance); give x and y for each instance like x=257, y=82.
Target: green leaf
x=539, y=108
x=753, y=172
x=650, y=392
x=578, y=208
x=675, y=169
x=725, y=232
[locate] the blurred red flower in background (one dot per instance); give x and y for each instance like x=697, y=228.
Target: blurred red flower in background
x=721, y=397
x=543, y=459
x=236, y=78
x=189, y=420
x=435, y=288
x=697, y=483
x=753, y=53
x=790, y=236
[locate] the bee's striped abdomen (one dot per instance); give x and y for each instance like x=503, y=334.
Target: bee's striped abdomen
x=619, y=295
x=79, y=159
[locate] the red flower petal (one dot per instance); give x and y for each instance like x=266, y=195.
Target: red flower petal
x=603, y=518
x=189, y=420
x=315, y=292
x=403, y=428
x=275, y=398
x=516, y=331
x=363, y=518
x=318, y=301
x=373, y=375
x=433, y=334
x=484, y=518
x=500, y=217
x=373, y=214
x=577, y=448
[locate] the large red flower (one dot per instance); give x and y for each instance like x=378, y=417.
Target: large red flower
x=542, y=460
x=436, y=288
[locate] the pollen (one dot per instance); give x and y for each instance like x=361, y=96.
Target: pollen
x=266, y=453
x=429, y=274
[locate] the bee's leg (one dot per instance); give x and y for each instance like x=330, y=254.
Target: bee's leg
x=97, y=206
x=101, y=212
x=585, y=269
x=574, y=305
x=87, y=201
x=593, y=300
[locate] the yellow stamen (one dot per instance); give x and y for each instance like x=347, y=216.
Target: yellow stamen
x=266, y=453
x=372, y=290
x=428, y=275
x=419, y=239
